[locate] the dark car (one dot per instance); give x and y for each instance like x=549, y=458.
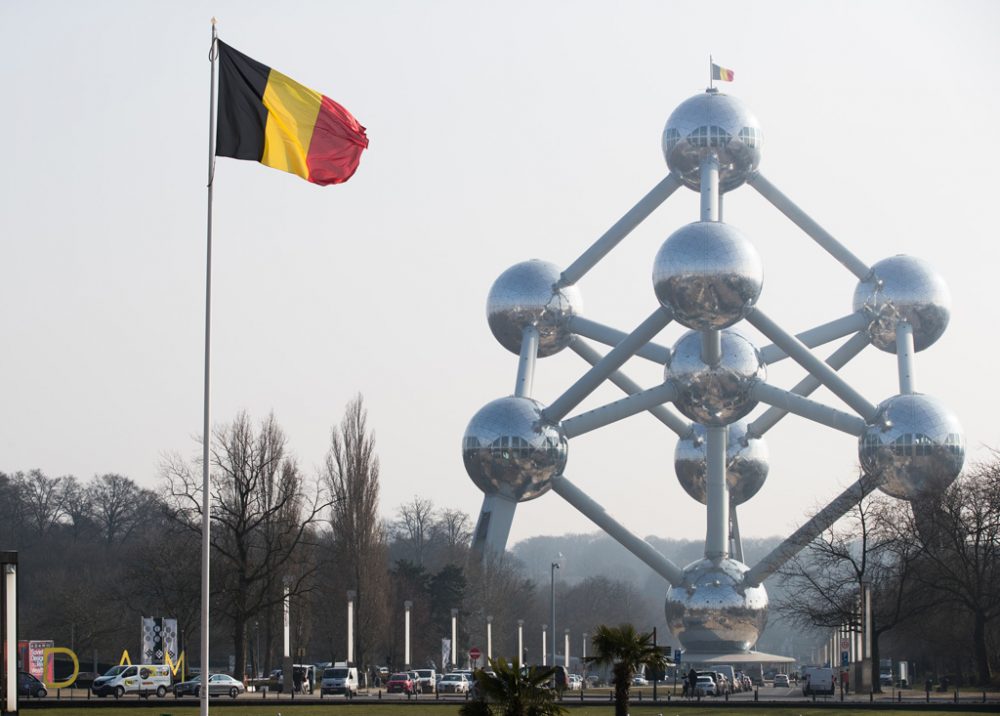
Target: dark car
x=28, y=685
x=400, y=683
x=85, y=679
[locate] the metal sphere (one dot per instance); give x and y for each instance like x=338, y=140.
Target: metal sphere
x=712, y=123
x=509, y=450
x=712, y=611
x=525, y=295
x=719, y=394
x=746, y=463
x=915, y=445
x=708, y=274
x=904, y=288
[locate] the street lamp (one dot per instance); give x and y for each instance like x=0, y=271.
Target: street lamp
x=520, y=641
x=489, y=639
x=454, y=638
x=552, y=594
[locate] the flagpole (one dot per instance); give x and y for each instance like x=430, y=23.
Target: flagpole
x=206, y=437
x=711, y=74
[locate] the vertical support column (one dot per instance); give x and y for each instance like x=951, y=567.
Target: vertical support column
x=904, y=356
x=710, y=188
x=520, y=642
x=583, y=651
x=286, y=641
x=717, y=536
x=351, y=596
x=10, y=631
x=566, y=651
x=866, y=605
x=489, y=639
x=407, y=606
x=545, y=646
x=454, y=638
x=526, y=363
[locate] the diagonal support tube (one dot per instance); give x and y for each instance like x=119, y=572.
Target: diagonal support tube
x=820, y=335
x=735, y=540
x=801, y=355
x=837, y=360
x=810, y=530
x=614, y=360
x=660, y=412
x=820, y=235
x=597, y=514
x=817, y=412
x=622, y=228
x=618, y=410
x=611, y=337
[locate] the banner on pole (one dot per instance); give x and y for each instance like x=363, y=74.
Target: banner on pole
x=159, y=640
x=445, y=653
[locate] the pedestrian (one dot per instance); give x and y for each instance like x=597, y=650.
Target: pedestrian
x=692, y=682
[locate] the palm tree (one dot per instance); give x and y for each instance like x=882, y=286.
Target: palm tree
x=626, y=651
x=512, y=691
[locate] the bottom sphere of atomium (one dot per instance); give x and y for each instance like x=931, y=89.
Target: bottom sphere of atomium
x=509, y=450
x=712, y=611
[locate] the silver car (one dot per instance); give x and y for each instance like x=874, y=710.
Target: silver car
x=218, y=685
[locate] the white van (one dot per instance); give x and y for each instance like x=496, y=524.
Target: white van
x=142, y=679
x=340, y=679
x=818, y=680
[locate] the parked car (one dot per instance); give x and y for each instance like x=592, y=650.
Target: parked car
x=781, y=680
x=28, y=685
x=426, y=680
x=640, y=680
x=340, y=679
x=142, y=679
x=575, y=682
x=400, y=683
x=84, y=680
x=218, y=685
x=454, y=683
x=704, y=686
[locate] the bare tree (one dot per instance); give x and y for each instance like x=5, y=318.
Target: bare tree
x=117, y=506
x=40, y=497
x=414, y=529
x=824, y=582
x=352, y=475
x=959, y=541
x=262, y=520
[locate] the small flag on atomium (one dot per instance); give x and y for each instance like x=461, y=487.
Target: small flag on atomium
x=272, y=119
x=721, y=73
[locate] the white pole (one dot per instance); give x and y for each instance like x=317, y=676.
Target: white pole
x=489, y=639
x=454, y=638
x=287, y=640
x=583, y=652
x=520, y=642
x=10, y=637
x=566, y=651
x=544, y=646
x=407, y=605
x=351, y=596
x=904, y=356
x=206, y=507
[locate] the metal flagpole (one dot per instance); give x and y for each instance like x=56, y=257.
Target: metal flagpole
x=711, y=74
x=205, y=435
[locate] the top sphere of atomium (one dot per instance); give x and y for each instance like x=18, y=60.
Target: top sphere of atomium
x=915, y=445
x=904, y=288
x=526, y=295
x=708, y=274
x=509, y=450
x=712, y=123
x=713, y=611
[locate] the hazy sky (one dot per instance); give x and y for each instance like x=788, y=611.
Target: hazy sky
x=499, y=132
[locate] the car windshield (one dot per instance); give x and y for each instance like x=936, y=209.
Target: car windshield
x=454, y=677
x=400, y=677
x=340, y=673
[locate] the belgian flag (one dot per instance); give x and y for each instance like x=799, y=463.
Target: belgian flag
x=270, y=118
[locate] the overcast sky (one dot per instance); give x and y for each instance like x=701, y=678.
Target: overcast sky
x=499, y=132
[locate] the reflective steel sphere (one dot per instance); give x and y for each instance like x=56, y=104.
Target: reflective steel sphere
x=915, y=444
x=712, y=123
x=510, y=451
x=525, y=295
x=712, y=611
x=718, y=394
x=904, y=288
x=746, y=463
x=708, y=274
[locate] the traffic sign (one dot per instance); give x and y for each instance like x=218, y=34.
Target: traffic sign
x=474, y=653
x=845, y=644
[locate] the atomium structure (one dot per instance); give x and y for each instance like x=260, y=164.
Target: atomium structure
x=708, y=277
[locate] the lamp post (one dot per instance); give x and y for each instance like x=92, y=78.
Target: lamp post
x=566, y=650
x=489, y=639
x=552, y=597
x=454, y=638
x=520, y=641
x=407, y=605
x=545, y=649
x=351, y=596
